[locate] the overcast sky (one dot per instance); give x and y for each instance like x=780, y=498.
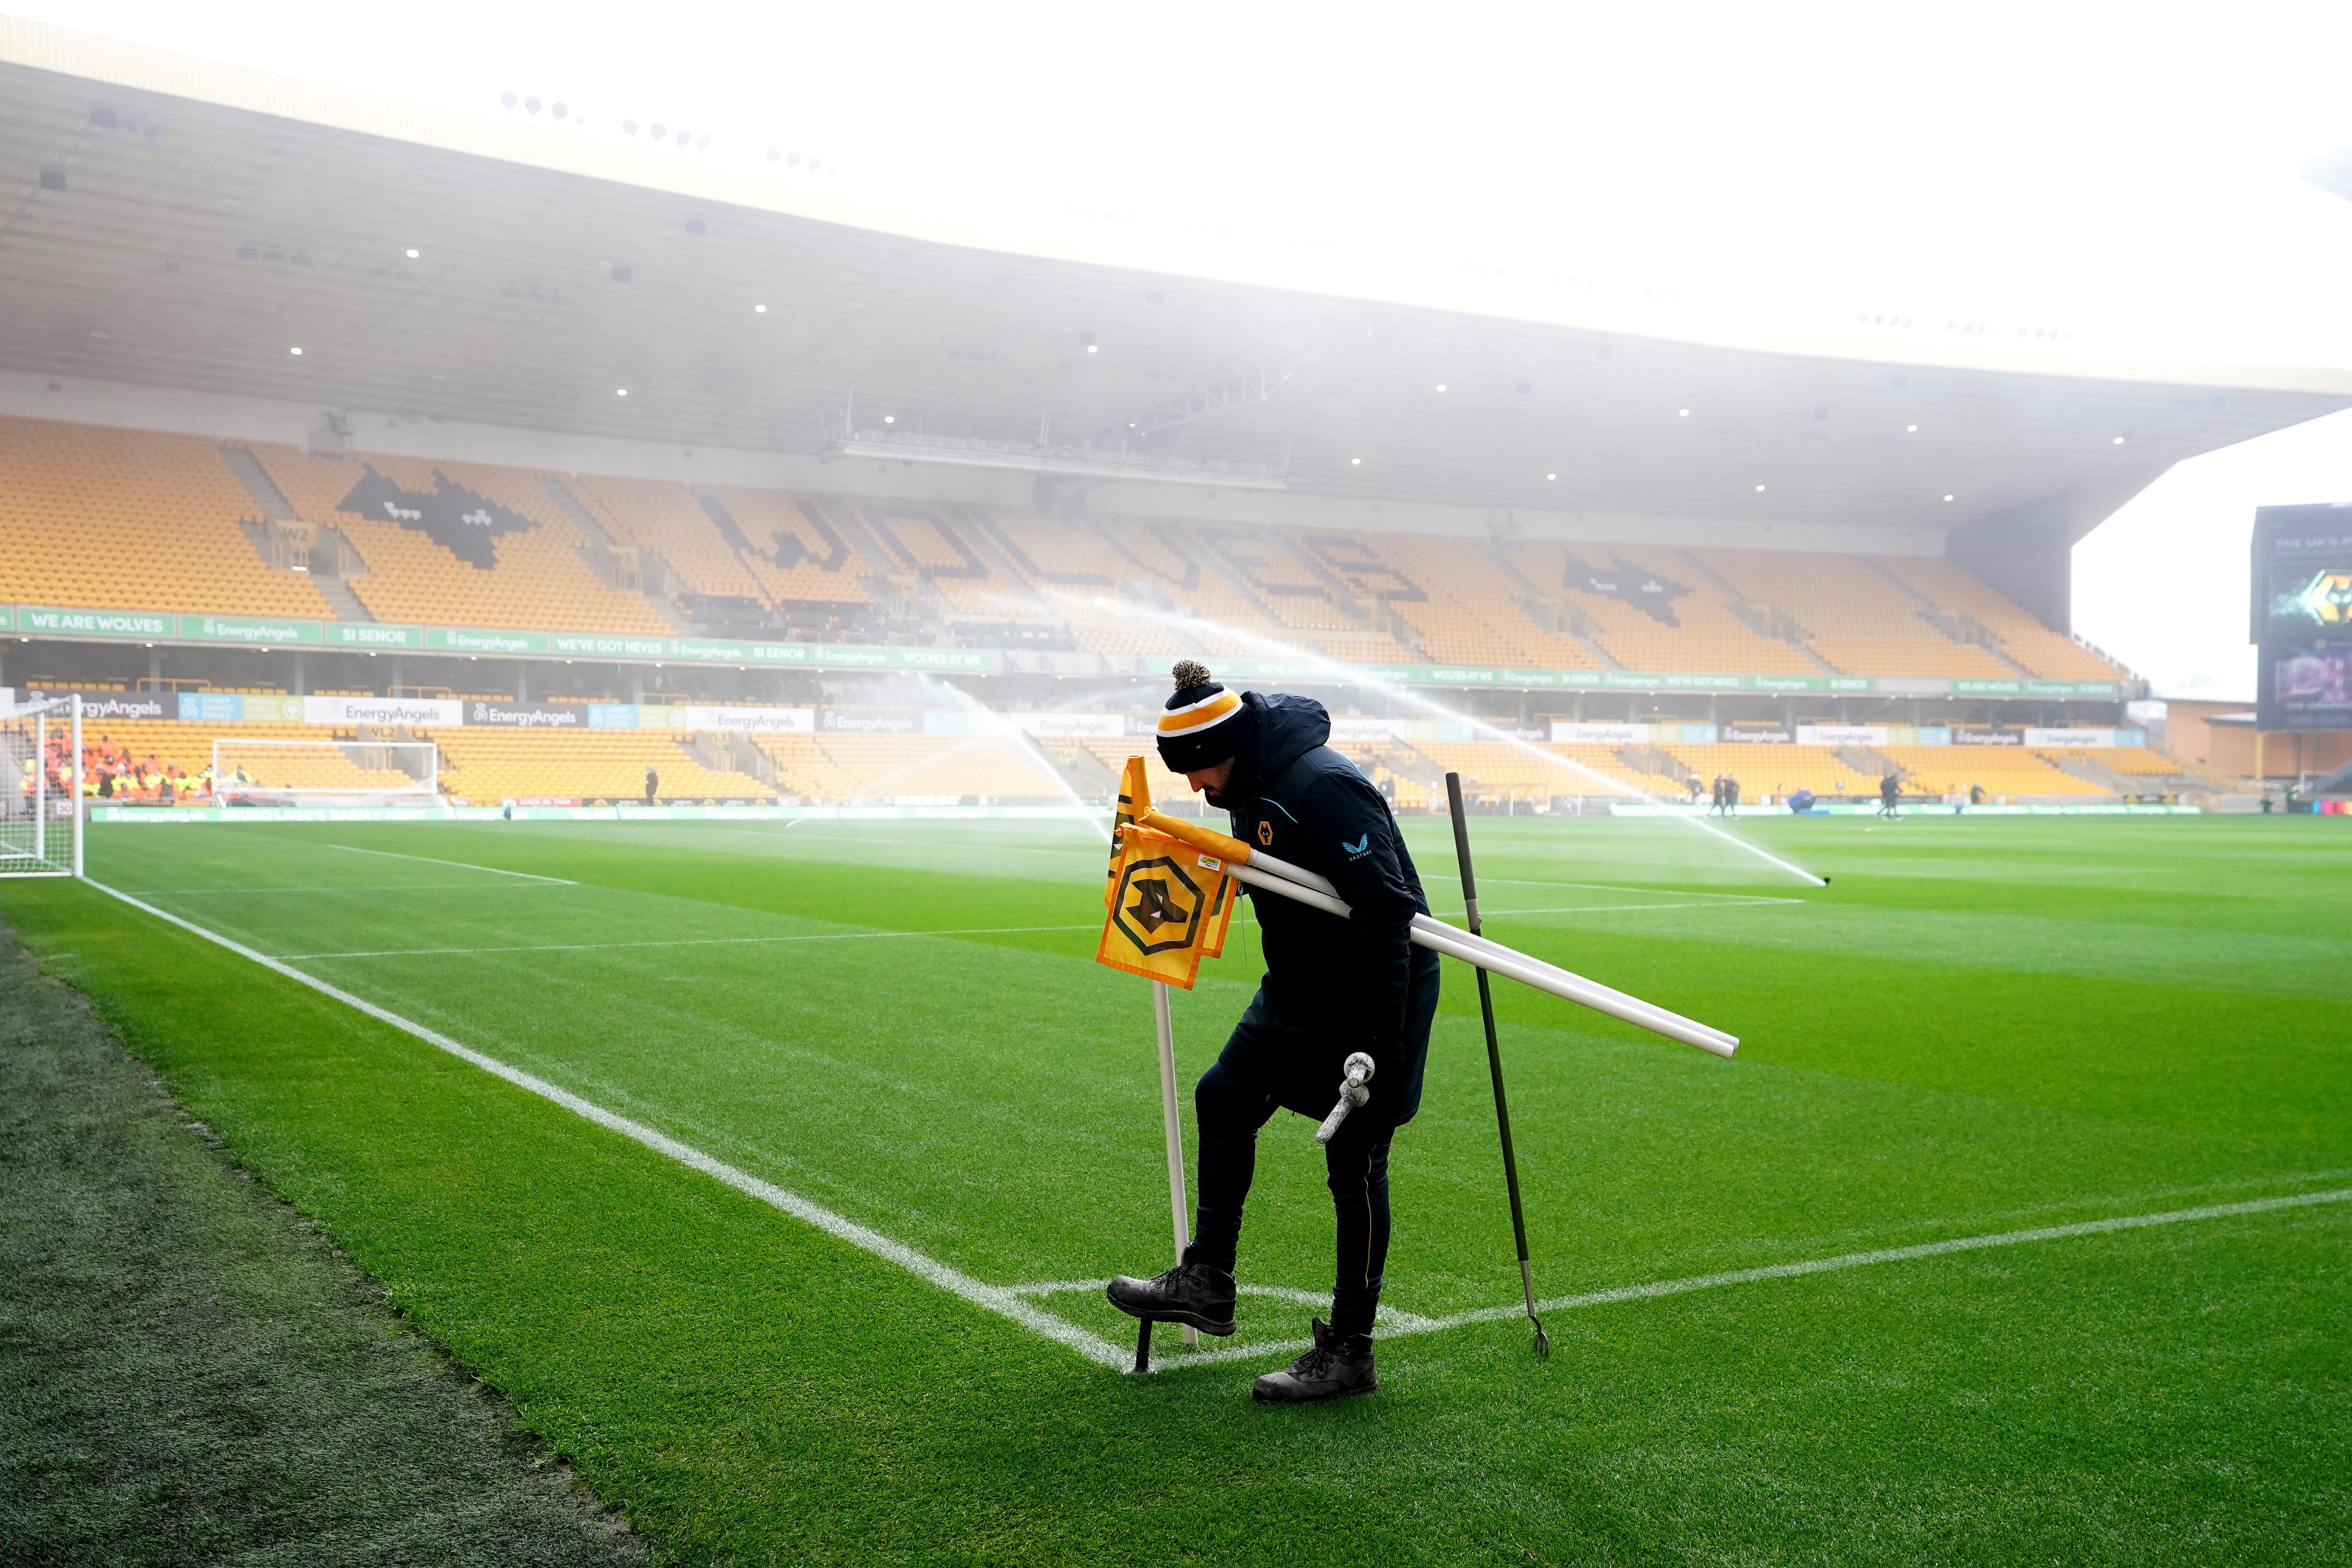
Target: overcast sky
x=2081, y=179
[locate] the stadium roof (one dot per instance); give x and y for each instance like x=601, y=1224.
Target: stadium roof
x=181, y=224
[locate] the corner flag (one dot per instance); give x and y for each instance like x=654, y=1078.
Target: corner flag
x=1167, y=909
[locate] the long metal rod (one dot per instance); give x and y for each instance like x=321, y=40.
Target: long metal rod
x=1179, y=1218
x=1495, y=1060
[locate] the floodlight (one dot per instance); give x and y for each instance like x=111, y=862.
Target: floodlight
x=1682, y=413
x=1911, y=427
x=1440, y=386
x=620, y=392
x=1355, y=462
x=2119, y=440
x=1947, y=497
x=1759, y=490
x=759, y=310
x=412, y=253
x=294, y=351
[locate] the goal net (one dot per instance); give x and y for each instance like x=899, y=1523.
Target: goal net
x=40, y=824
x=249, y=772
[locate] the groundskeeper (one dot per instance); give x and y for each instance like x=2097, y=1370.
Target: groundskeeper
x=1332, y=987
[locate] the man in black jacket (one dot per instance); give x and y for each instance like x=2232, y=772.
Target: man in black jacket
x=1331, y=987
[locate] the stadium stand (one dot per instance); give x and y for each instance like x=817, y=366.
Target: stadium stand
x=2032, y=644
x=474, y=544
x=92, y=517
x=2004, y=771
x=486, y=766
x=1856, y=619
x=536, y=579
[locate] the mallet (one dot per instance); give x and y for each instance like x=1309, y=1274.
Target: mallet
x=1352, y=1093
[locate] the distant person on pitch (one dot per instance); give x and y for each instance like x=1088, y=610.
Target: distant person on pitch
x=653, y=783
x=1890, y=797
x=1731, y=794
x=1331, y=987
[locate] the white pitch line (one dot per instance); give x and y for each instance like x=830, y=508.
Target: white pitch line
x=461, y=865
x=1614, y=888
x=342, y=888
x=682, y=941
x=994, y=1299
x=1793, y=1270
x=1486, y=913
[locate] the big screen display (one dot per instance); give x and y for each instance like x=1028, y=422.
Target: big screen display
x=2302, y=617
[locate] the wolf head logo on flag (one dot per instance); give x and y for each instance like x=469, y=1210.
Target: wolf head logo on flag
x=1166, y=904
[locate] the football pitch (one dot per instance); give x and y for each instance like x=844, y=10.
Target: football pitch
x=773, y=1171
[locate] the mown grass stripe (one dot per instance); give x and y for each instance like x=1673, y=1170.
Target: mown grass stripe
x=995, y=1300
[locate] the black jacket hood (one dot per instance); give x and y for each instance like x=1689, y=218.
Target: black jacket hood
x=1288, y=727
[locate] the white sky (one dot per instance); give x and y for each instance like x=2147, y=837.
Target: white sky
x=2107, y=179
x=2163, y=583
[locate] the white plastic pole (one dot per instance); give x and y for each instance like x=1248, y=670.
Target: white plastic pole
x=1568, y=986
x=40, y=787
x=76, y=784
x=1179, y=1221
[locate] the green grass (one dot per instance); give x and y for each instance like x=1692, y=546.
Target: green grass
x=1983, y=1024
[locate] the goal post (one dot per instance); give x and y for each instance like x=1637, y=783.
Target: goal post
x=249, y=771
x=41, y=822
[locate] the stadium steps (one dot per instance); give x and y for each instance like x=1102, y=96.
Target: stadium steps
x=726, y=753
x=1215, y=560
x=1557, y=614
x=257, y=484
x=982, y=540
x=2074, y=764
x=1765, y=621
x=278, y=550
x=1956, y=625
x=1868, y=760
x=1408, y=760
x=601, y=555
x=338, y=593
x=1654, y=760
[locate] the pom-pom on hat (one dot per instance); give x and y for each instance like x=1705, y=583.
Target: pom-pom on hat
x=1203, y=723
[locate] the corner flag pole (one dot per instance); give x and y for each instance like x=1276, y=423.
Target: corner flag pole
x=1494, y=1059
x=1179, y=1221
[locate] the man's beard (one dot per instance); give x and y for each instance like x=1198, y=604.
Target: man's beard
x=1210, y=793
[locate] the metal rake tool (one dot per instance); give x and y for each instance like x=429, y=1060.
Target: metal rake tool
x=1495, y=1061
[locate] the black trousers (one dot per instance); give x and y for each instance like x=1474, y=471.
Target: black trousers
x=1271, y=1062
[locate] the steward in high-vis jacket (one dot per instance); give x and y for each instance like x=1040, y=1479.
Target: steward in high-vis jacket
x=1331, y=987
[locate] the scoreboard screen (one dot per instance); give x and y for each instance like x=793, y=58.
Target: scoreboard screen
x=2302, y=617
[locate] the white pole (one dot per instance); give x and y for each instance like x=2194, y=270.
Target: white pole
x=1178, y=1218
x=77, y=791
x=40, y=786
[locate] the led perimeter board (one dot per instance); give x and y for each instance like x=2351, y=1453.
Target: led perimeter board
x=2303, y=616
